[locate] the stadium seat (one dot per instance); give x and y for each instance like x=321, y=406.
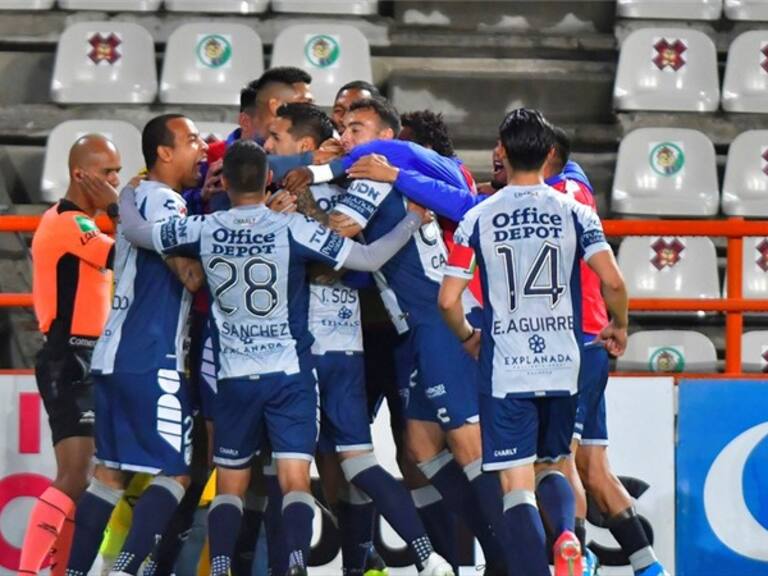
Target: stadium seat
x=745, y=188
x=333, y=54
x=356, y=7
x=746, y=9
x=125, y=136
x=668, y=351
x=754, y=351
x=208, y=63
x=669, y=267
x=215, y=130
x=755, y=282
x=745, y=87
x=26, y=4
x=670, y=9
x=666, y=172
x=231, y=6
x=111, y=5
x=672, y=69
x=105, y=62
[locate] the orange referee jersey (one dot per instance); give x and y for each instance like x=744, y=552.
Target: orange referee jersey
x=72, y=281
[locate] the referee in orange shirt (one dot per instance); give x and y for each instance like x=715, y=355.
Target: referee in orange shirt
x=72, y=282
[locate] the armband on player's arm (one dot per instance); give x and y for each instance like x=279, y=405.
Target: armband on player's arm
x=135, y=229
x=373, y=256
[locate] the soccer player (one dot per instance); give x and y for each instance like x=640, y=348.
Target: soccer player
x=348, y=94
x=255, y=262
x=528, y=238
x=141, y=400
x=72, y=260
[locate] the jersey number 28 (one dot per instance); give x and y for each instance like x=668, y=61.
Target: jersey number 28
x=259, y=275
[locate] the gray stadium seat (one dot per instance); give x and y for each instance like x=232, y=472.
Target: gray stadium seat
x=105, y=62
x=672, y=69
x=345, y=7
x=332, y=53
x=26, y=4
x=230, y=6
x=666, y=172
x=215, y=130
x=670, y=9
x=745, y=188
x=755, y=283
x=111, y=5
x=125, y=136
x=746, y=9
x=745, y=87
x=668, y=351
x=669, y=267
x=209, y=62
x=754, y=351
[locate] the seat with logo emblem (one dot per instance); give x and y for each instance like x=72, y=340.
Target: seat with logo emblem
x=333, y=54
x=211, y=131
x=676, y=267
x=346, y=7
x=670, y=9
x=111, y=5
x=125, y=136
x=755, y=262
x=26, y=4
x=105, y=62
x=666, y=172
x=209, y=63
x=230, y=6
x=671, y=69
x=745, y=188
x=745, y=87
x=746, y=9
x=668, y=351
x=754, y=351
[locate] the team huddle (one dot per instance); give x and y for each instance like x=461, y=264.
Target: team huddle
x=232, y=335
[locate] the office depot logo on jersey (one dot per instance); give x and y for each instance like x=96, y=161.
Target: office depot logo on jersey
x=526, y=223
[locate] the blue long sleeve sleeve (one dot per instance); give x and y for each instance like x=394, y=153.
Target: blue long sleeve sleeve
x=449, y=201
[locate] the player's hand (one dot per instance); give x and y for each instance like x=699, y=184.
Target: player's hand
x=283, y=201
x=101, y=192
x=138, y=179
x=373, y=167
x=343, y=224
x=614, y=339
x=296, y=180
x=213, y=183
x=426, y=215
x=472, y=346
x=328, y=150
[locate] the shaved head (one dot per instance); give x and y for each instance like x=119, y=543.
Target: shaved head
x=93, y=152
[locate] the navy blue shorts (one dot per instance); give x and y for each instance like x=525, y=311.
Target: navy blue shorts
x=591, y=425
x=518, y=431
x=286, y=405
x=388, y=368
x=344, y=423
x=144, y=422
x=204, y=363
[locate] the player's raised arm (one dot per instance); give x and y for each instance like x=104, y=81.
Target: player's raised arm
x=135, y=229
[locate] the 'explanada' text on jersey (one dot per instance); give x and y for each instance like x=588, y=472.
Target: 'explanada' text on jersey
x=148, y=320
x=255, y=264
x=334, y=310
x=415, y=272
x=528, y=241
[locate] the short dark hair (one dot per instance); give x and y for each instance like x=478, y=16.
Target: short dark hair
x=245, y=167
x=562, y=146
x=429, y=130
x=384, y=110
x=307, y=120
x=156, y=133
x=359, y=85
x=287, y=75
x=527, y=138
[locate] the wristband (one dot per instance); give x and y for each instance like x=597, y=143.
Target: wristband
x=321, y=173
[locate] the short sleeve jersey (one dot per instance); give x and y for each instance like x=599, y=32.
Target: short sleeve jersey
x=147, y=325
x=528, y=242
x=71, y=282
x=255, y=264
x=415, y=272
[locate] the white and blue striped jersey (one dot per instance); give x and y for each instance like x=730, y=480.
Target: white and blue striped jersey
x=415, y=272
x=255, y=263
x=147, y=325
x=528, y=242
x=334, y=310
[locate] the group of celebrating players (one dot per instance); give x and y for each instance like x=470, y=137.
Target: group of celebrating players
x=504, y=299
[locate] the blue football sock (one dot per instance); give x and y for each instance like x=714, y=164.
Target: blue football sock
x=355, y=512
x=557, y=503
x=91, y=517
x=438, y=521
x=253, y=516
x=391, y=499
x=277, y=547
x=151, y=515
x=527, y=542
x=298, y=512
x=224, y=518
x=487, y=496
x=630, y=534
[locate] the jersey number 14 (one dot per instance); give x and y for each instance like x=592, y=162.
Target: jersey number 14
x=548, y=259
